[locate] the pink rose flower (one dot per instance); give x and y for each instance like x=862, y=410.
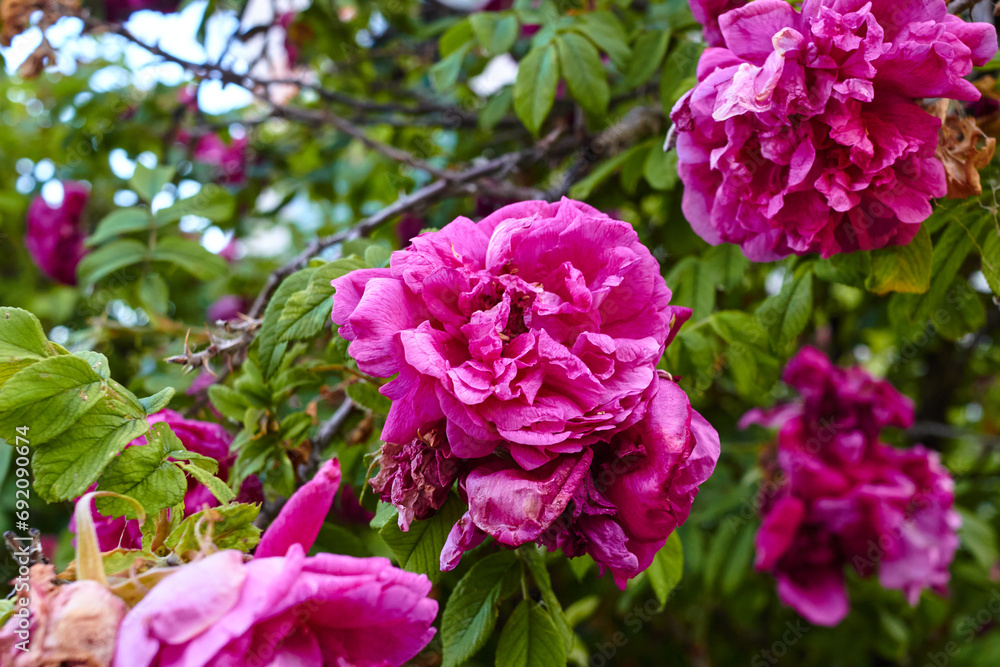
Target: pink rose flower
x=200, y=437
x=537, y=329
x=845, y=499
x=707, y=13
x=55, y=236
x=805, y=132
x=282, y=607
x=617, y=501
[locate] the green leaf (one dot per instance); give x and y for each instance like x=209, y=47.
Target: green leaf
x=661, y=169
x=146, y=474
x=121, y=221
x=950, y=251
x=444, y=73
x=148, y=182
x=494, y=31
x=455, y=38
x=158, y=401
x=535, y=87
x=22, y=342
x=530, y=639
x=271, y=349
x=98, y=362
x=376, y=256
x=229, y=402
x=367, y=396
x=496, y=108
x=667, y=568
x=584, y=73
x=212, y=202
x=540, y=573
x=232, y=529
x=651, y=47
x=109, y=258
x=307, y=311
x=694, y=287
x=678, y=73
x=978, y=536
x=991, y=261
x=601, y=173
x=726, y=265
x=191, y=257
x=218, y=488
x=66, y=466
x=470, y=614
x=848, y=268
x=606, y=31
x=902, y=268
x=49, y=396
x=633, y=167
x=22, y=336
x=419, y=549
x=786, y=314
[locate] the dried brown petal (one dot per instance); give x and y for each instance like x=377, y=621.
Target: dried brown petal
x=964, y=149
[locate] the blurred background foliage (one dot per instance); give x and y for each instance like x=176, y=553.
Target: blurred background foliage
x=436, y=82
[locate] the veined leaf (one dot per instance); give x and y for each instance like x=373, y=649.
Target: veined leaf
x=49, y=397
x=667, y=567
x=535, y=87
x=471, y=612
x=419, y=549
x=121, y=221
x=584, y=73
x=189, y=256
x=146, y=474
x=530, y=639
x=67, y=465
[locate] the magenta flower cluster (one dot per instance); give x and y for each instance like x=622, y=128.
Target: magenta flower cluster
x=844, y=499
x=805, y=131
x=524, y=350
x=55, y=234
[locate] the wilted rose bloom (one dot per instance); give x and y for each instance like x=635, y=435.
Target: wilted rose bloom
x=204, y=438
x=416, y=477
x=537, y=329
x=229, y=159
x=71, y=624
x=845, y=499
x=282, y=607
x=707, y=13
x=617, y=501
x=55, y=236
x=805, y=133
x=120, y=10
